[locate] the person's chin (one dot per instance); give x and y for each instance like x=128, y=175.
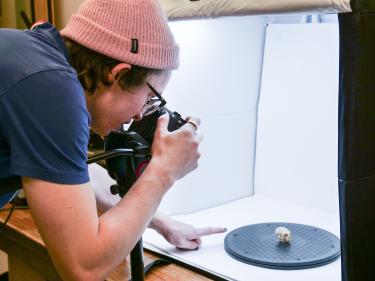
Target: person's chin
x=101, y=131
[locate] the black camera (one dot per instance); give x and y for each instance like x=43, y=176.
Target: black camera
x=138, y=138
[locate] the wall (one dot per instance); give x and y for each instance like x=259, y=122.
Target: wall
x=63, y=10
x=7, y=18
x=3, y=262
x=11, y=13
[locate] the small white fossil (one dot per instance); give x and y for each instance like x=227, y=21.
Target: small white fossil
x=283, y=234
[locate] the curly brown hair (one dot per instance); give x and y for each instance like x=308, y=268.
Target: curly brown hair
x=92, y=68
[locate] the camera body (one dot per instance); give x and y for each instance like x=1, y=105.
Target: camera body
x=125, y=170
x=147, y=126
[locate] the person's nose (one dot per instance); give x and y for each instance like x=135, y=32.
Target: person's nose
x=138, y=117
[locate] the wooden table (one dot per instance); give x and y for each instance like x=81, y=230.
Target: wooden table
x=28, y=258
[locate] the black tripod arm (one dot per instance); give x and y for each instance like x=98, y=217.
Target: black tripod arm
x=113, y=153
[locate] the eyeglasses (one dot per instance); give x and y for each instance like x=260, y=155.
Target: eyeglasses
x=153, y=103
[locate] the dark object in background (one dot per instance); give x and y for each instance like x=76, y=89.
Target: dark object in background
x=4, y=277
x=356, y=139
x=20, y=199
x=96, y=142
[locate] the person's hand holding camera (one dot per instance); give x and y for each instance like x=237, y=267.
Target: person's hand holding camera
x=175, y=154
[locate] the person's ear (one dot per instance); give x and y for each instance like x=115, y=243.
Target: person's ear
x=113, y=74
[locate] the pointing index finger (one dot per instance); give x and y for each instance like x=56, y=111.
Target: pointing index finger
x=209, y=230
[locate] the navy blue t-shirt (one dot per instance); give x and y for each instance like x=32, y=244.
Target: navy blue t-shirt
x=44, y=122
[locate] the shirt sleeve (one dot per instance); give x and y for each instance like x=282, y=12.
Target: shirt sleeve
x=46, y=124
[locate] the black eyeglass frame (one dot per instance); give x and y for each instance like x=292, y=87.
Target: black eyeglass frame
x=156, y=93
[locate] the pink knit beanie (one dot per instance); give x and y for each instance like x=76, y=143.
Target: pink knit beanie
x=131, y=31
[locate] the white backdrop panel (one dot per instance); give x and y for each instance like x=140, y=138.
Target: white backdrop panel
x=225, y=170
x=218, y=81
x=220, y=65
x=296, y=154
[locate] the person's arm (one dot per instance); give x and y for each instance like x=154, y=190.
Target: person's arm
x=85, y=247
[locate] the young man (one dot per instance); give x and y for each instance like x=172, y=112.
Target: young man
x=96, y=74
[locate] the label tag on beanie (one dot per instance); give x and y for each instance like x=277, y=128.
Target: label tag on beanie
x=134, y=46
